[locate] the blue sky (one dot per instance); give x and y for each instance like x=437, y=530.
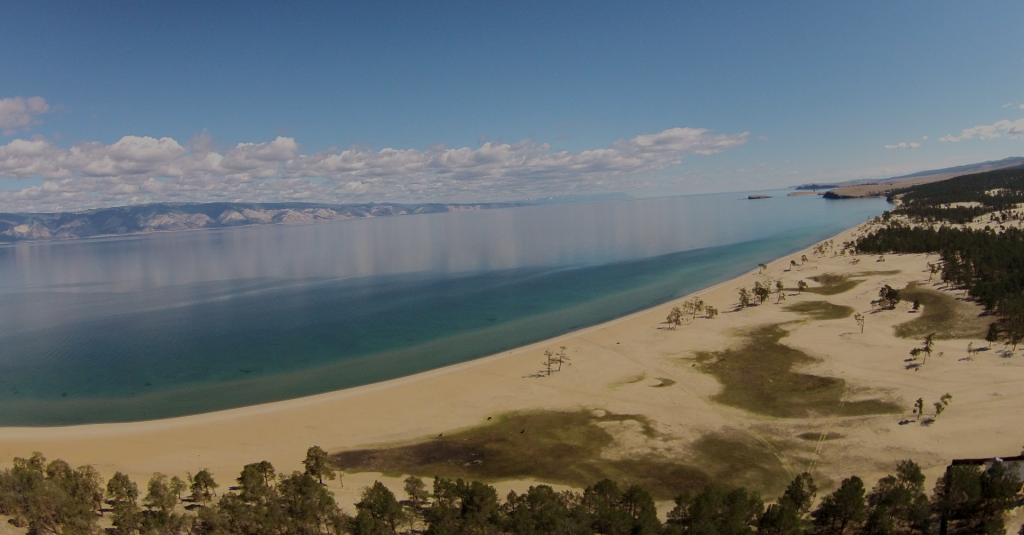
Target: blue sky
x=462, y=102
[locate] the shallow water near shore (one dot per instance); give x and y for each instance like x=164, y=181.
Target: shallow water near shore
x=174, y=324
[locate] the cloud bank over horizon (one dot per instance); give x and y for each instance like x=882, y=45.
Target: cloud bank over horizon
x=143, y=169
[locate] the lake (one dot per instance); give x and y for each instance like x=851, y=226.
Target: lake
x=171, y=324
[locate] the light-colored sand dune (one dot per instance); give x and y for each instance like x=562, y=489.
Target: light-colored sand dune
x=607, y=360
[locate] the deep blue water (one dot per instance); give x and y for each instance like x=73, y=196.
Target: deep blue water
x=182, y=323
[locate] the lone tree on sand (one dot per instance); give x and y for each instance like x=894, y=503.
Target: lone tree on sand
x=318, y=464
x=942, y=403
x=561, y=357
x=762, y=292
x=693, y=306
x=926, y=348
x=803, y=258
x=744, y=298
x=792, y=265
x=710, y=312
x=778, y=289
x=675, y=318
x=549, y=361
x=993, y=334
x=889, y=295
x=859, y=318
x=761, y=268
x=919, y=407
x=800, y=286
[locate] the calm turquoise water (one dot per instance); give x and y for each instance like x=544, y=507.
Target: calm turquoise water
x=183, y=323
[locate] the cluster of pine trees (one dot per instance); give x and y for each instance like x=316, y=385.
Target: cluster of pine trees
x=987, y=263
x=997, y=190
x=56, y=499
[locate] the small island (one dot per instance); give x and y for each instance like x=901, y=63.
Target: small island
x=759, y=196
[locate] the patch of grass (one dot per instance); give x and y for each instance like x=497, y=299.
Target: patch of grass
x=739, y=460
x=832, y=284
x=820, y=310
x=943, y=315
x=814, y=437
x=876, y=273
x=758, y=376
x=665, y=382
x=566, y=447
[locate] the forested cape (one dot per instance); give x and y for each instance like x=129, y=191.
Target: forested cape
x=52, y=497
x=988, y=262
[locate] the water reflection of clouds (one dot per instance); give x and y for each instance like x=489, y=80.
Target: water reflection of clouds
x=451, y=243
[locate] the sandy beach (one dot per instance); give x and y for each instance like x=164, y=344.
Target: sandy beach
x=633, y=365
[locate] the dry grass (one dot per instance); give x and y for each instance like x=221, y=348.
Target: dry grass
x=943, y=314
x=832, y=284
x=758, y=376
x=820, y=310
x=566, y=447
x=735, y=459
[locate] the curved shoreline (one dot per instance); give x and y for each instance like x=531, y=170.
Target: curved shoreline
x=614, y=366
x=594, y=295
x=15, y=434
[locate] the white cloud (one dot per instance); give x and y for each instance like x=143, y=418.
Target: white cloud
x=1021, y=106
x=924, y=138
x=19, y=113
x=145, y=169
x=911, y=145
x=1013, y=129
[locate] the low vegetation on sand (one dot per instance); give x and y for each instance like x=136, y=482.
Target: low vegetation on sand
x=820, y=310
x=567, y=448
x=832, y=284
x=758, y=376
x=54, y=498
x=943, y=315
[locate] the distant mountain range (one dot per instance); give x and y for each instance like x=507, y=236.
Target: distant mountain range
x=126, y=220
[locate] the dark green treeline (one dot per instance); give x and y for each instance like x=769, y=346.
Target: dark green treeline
x=53, y=498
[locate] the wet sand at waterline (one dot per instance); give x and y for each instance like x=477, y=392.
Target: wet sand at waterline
x=621, y=367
